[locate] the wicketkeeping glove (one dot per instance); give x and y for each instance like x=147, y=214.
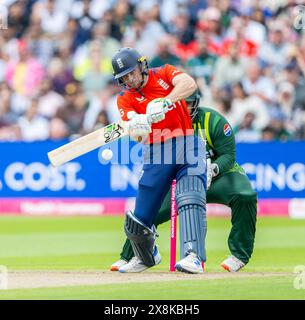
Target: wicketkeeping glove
x=212, y=171
x=157, y=108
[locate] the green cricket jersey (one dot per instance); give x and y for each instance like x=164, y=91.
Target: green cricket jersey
x=216, y=130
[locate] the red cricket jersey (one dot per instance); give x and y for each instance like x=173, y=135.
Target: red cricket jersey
x=159, y=85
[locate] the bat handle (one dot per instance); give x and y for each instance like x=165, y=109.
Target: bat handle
x=149, y=119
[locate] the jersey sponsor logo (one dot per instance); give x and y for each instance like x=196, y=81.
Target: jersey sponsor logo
x=174, y=72
x=163, y=84
x=142, y=99
x=227, y=130
x=174, y=105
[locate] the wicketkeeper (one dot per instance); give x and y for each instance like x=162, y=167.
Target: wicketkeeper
x=227, y=184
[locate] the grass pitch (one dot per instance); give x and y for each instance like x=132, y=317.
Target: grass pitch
x=92, y=244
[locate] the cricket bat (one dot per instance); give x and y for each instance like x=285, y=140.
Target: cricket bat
x=87, y=143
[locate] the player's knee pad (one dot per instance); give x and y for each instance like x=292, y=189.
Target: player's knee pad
x=191, y=206
x=142, y=238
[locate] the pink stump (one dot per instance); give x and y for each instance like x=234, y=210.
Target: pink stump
x=173, y=227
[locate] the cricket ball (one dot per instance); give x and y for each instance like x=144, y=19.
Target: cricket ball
x=107, y=154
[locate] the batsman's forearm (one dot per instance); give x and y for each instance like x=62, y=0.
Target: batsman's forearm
x=184, y=86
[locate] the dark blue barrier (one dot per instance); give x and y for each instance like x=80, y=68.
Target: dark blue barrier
x=277, y=170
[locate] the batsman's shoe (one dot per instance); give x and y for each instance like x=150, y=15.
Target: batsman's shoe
x=232, y=264
x=137, y=265
x=190, y=264
x=118, y=264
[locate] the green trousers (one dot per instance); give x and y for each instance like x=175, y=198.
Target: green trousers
x=234, y=190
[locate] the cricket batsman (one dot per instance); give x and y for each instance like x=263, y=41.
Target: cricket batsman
x=152, y=102
x=227, y=184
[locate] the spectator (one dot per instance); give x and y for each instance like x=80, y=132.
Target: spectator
x=258, y=85
x=203, y=64
x=96, y=8
x=276, y=52
x=109, y=44
x=100, y=33
x=102, y=120
x=182, y=28
x=18, y=20
x=144, y=33
x=229, y=68
x=223, y=105
x=42, y=47
x=58, y=129
x=210, y=23
x=184, y=35
x=278, y=124
x=85, y=23
x=194, y=8
x=3, y=60
x=7, y=116
x=286, y=98
x=94, y=71
x=168, y=12
x=74, y=111
x=24, y=75
x=293, y=76
x=245, y=131
x=268, y=134
x=49, y=101
x=60, y=75
x=165, y=55
x=243, y=103
x=32, y=125
x=119, y=18
x=10, y=133
x=253, y=30
x=237, y=37
x=52, y=19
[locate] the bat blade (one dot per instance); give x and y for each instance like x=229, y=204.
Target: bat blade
x=87, y=143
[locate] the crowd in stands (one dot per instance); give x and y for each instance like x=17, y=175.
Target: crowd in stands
x=247, y=56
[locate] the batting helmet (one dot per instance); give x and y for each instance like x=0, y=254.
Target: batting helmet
x=125, y=61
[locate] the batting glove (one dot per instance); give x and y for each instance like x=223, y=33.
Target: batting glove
x=139, y=125
x=157, y=108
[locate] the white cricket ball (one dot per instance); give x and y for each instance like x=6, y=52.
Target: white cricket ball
x=107, y=154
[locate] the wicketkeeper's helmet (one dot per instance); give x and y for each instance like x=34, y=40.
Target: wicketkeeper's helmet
x=194, y=99
x=125, y=61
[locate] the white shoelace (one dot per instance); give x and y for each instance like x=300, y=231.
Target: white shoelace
x=135, y=260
